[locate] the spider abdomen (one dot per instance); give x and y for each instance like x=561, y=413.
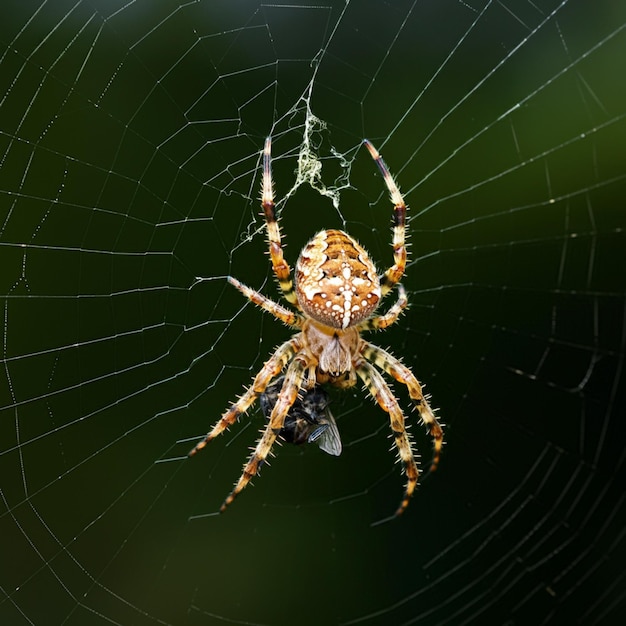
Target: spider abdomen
x=336, y=281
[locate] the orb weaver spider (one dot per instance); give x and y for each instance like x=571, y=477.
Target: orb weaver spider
x=335, y=293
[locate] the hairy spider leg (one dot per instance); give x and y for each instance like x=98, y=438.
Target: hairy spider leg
x=379, y=389
x=279, y=264
x=272, y=367
x=395, y=272
x=379, y=322
x=287, y=396
x=396, y=369
x=281, y=313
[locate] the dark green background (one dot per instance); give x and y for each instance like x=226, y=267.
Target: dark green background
x=130, y=136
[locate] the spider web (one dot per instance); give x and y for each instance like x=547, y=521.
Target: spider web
x=129, y=181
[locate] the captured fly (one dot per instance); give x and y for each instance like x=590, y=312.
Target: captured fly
x=309, y=419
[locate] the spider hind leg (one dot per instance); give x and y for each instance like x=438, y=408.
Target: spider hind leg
x=270, y=369
x=380, y=391
x=288, y=394
x=396, y=369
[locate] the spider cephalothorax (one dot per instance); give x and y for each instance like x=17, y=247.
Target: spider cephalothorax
x=337, y=291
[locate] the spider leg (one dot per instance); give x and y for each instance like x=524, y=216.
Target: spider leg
x=379, y=389
x=279, y=312
x=395, y=272
x=288, y=394
x=383, y=321
x=272, y=367
x=395, y=368
x=279, y=264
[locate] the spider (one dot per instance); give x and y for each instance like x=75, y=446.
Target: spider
x=336, y=292
x=309, y=419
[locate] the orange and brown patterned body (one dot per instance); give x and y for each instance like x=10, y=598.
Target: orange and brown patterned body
x=336, y=282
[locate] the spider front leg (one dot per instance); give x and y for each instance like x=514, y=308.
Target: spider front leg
x=272, y=367
x=279, y=264
x=293, y=382
x=379, y=389
x=395, y=272
x=395, y=368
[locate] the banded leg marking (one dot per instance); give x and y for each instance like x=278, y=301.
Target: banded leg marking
x=279, y=264
x=395, y=272
x=396, y=369
x=378, y=389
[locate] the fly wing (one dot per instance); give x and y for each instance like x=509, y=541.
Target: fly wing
x=327, y=435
